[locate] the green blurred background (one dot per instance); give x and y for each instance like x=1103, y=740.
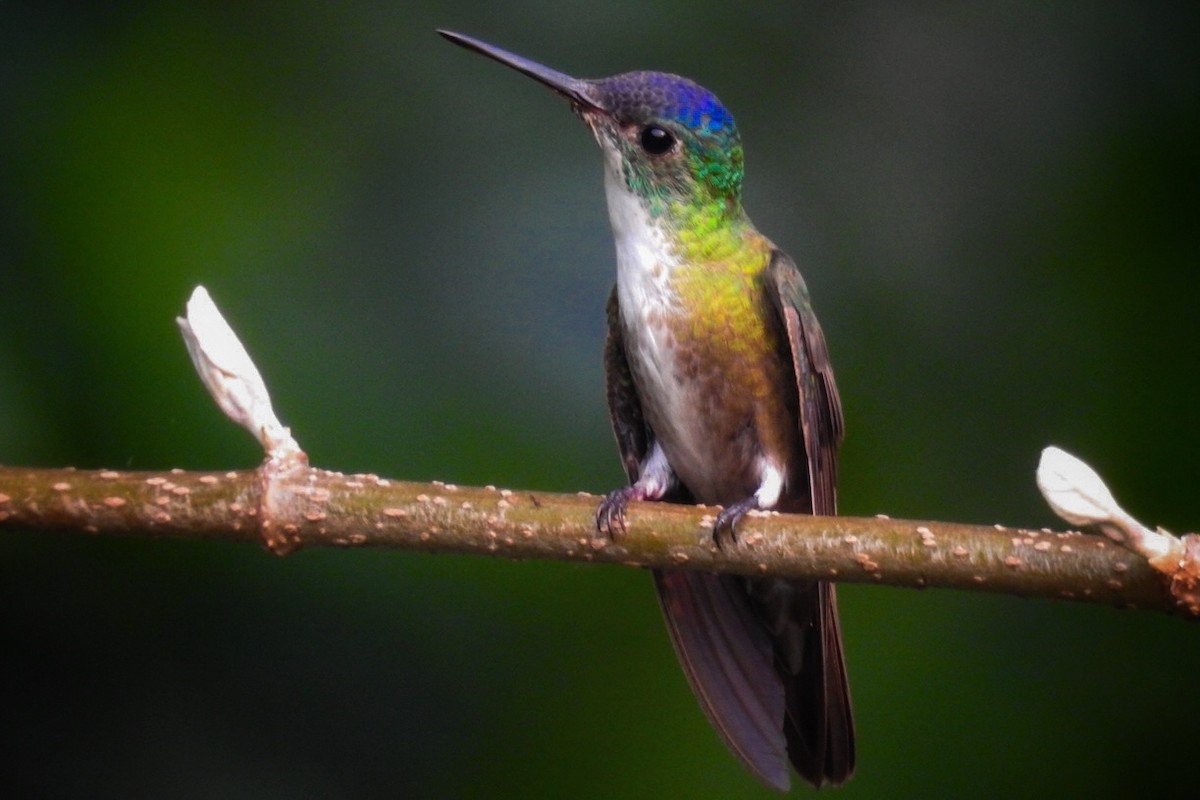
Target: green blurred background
x=995, y=205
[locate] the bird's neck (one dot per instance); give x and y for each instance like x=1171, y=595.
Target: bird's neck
x=675, y=255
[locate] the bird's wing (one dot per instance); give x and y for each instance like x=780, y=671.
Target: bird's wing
x=821, y=422
x=803, y=617
x=624, y=407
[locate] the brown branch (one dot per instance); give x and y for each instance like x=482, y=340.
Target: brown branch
x=286, y=507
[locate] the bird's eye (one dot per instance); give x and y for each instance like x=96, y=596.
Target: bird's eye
x=656, y=140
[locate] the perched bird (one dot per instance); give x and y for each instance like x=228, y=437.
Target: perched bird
x=721, y=392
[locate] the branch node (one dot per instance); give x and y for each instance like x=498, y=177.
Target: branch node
x=1182, y=571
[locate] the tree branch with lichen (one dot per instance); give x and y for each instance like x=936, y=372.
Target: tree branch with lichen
x=286, y=504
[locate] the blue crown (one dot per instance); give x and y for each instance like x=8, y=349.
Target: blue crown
x=646, y=96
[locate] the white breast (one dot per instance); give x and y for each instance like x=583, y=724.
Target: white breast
x=645, y=262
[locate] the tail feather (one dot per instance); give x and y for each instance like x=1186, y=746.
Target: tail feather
x=820, y=723
x=727, y=658
x=765, y=661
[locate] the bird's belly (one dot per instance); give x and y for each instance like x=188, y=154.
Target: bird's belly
x=705, y=409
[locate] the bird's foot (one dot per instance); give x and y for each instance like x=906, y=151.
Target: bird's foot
x=610, y=515
x=724, y=529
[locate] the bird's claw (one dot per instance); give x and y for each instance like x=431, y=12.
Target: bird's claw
x=725, y=527
x=610, y=515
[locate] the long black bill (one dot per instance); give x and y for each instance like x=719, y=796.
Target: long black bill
x=579, y=92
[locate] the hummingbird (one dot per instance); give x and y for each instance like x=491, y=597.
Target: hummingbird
x=720, y=391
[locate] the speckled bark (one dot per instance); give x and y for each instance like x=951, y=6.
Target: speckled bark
x=286, y=509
